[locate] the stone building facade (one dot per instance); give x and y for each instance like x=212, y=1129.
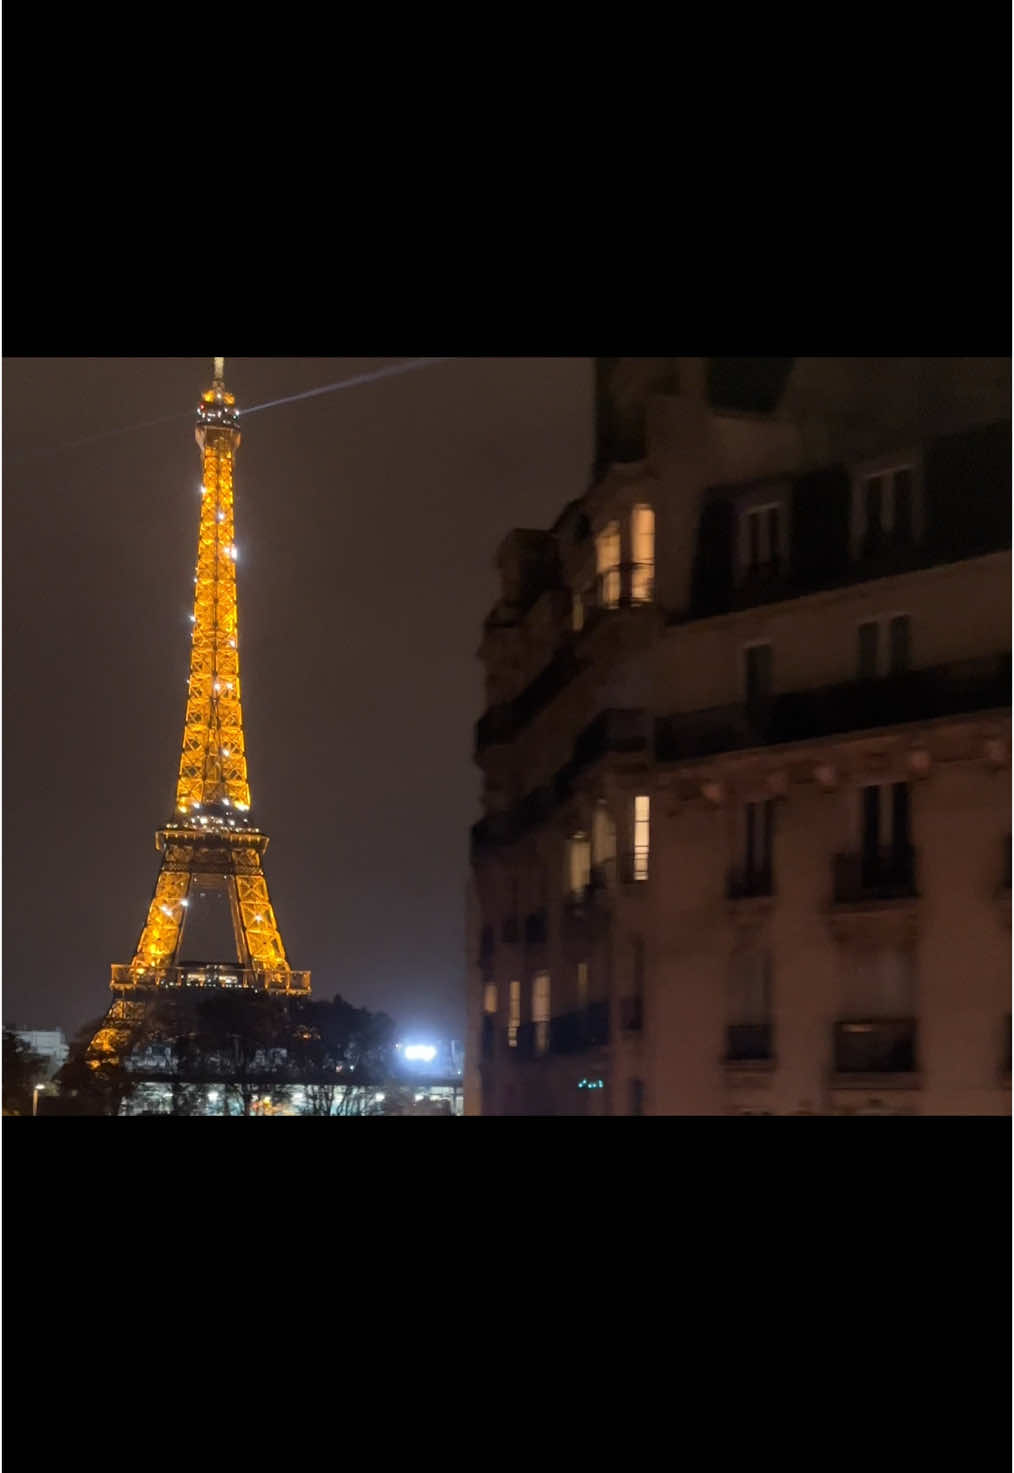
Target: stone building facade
x=746, y=845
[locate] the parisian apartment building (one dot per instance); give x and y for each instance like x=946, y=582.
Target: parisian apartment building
x=746, y=836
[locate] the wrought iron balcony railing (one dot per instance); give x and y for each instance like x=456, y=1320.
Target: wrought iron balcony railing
x=748, y=884
x=877, y=874
x=748, y=1042
x=875, y=1046
x=570, y=1033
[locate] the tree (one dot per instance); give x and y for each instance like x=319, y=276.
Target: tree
x=22, y=1071
x=90, y=1086
x=339, y=1054
x=244, y=1038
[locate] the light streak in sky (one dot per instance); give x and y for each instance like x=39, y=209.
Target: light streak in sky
x=345, y=383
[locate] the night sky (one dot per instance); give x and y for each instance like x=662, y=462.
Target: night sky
x=367, y=522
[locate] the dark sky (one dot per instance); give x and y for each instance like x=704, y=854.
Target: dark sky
x=367, y=521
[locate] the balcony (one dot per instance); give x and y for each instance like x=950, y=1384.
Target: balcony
x=877, y=875
x=750, y=884
x=632, y=1013
x=749, y=1043
x=627, y=586
x=796, y=716
x=875, y=1046
x=571, y=1033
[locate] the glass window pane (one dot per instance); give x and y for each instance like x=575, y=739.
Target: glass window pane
x=899, y=644
x=642, y=831
x=903, y=504
x=869, y=639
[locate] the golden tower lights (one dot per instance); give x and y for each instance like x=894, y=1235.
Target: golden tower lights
x=210, y=843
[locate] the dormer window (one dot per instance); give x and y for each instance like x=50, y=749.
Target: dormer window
x=761, y=541
x=886, y=507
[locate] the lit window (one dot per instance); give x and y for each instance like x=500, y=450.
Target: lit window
x=578, y=864
x=514, y=1019
x=642, y=835
x=607, y=564
x=489, y=998
x=576, y=612
x=642, y=540
x=540, y=1011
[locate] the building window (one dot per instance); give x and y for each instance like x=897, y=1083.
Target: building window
x=642, y=835
x=758, y=667
x=749, y=1031
x=514, y=1018
x=582, y=987
x=760, y=540
x=489, y=999
x=886, y=820
x=885, y=507
x=540, y=1011
x=632, y=1004
x=576, y=612
x=877, y=982
x=579, y=855
x=642, y=542
x=886, y=653
x=754, y=873
x=637, y=1097
x=607, y=565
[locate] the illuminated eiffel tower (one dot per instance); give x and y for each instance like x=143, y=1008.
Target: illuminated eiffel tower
x=210, y=844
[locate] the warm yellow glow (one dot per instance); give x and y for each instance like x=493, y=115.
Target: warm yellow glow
x=489, y=998
x=607, y=564
x=514, y=1015
x=206, y=846
x=642, y=835
x=642, y=544
x=541, y=1011
x=578, y=863
x=214, y=717
x=576, y=612
x=582, y=986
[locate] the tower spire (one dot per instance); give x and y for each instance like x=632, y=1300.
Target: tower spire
x=218, y=375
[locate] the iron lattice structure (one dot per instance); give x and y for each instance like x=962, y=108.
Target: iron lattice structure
x=210, y=843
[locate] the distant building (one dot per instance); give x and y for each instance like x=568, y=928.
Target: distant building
x=49, y=1043
x=746, y=753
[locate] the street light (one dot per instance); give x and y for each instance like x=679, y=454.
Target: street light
x=35, y=1099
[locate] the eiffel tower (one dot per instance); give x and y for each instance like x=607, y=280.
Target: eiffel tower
x=210, y=844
